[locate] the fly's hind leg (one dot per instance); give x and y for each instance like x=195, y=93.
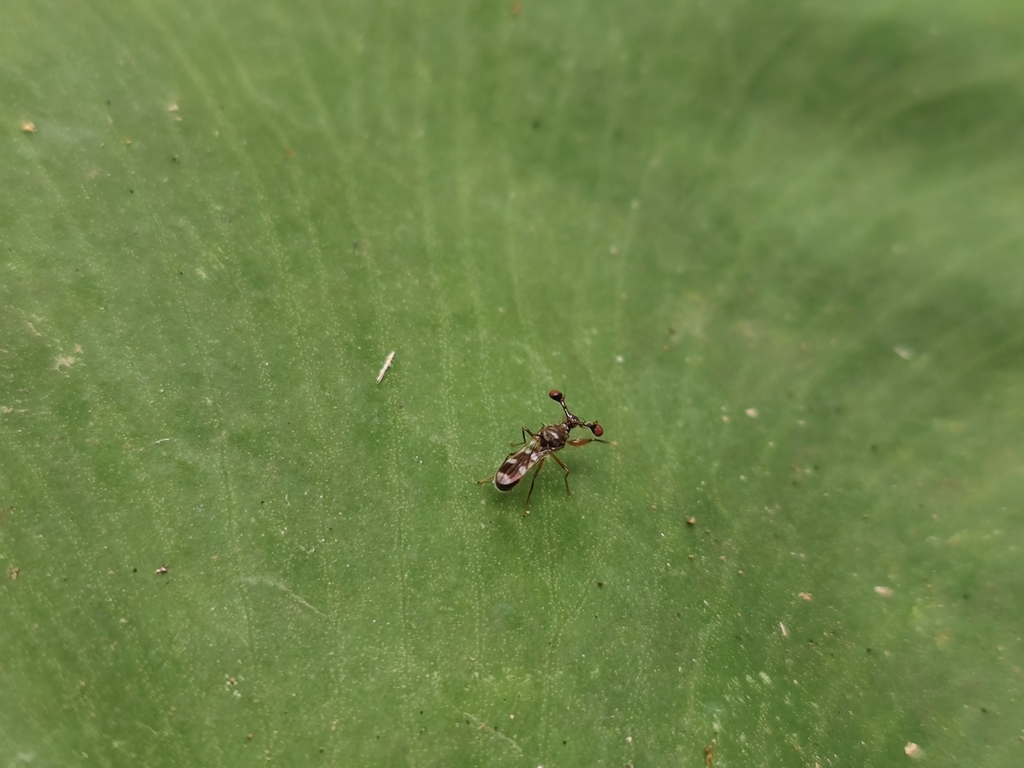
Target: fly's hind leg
x=566, y=475
x=530, y=492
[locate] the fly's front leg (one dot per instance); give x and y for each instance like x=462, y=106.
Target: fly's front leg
x=530, y=492
x=526, y=432
x=581, y=441
x=485, y=480
x=566, y=475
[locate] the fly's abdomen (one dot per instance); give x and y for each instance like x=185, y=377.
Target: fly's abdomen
x=513, y=469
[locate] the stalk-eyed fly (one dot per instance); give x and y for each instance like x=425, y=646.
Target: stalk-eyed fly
x=540, y=446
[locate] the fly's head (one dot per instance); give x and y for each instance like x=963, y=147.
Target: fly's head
x=572, y=421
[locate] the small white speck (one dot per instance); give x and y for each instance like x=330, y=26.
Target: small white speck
x=384, y=369
x=903, y=352
x=620, y=359
x=884, y=591
x=783, y=628
x=751, y=412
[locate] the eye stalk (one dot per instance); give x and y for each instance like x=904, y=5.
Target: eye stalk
x=575, y=421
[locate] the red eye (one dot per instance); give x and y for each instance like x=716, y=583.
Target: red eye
x=554, y=394
x=597, y=430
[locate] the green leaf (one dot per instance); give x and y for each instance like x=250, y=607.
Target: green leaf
x=773, y=247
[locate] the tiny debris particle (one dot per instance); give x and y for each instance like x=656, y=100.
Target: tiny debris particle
x=709, y=753
x=726, y=419
x=691, y=521
x=912, y=750
x=161, y=570
x=620, y=359
x=751, y=412
x=384, y=368
x=172, y=108
x=13, y=572
x=806, y=596
x=884, y=591
x=783, y=628
x=28, y=127
x=903, y=352
x=248, y=736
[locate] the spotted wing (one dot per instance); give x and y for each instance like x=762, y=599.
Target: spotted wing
x=515, y=467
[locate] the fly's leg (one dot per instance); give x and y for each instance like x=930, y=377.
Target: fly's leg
x=581, y=441
x=566, y=475
x=530, y=492
x=485, y=480
x=526, y=431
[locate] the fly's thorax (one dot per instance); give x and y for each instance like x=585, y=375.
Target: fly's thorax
x=553, y=437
